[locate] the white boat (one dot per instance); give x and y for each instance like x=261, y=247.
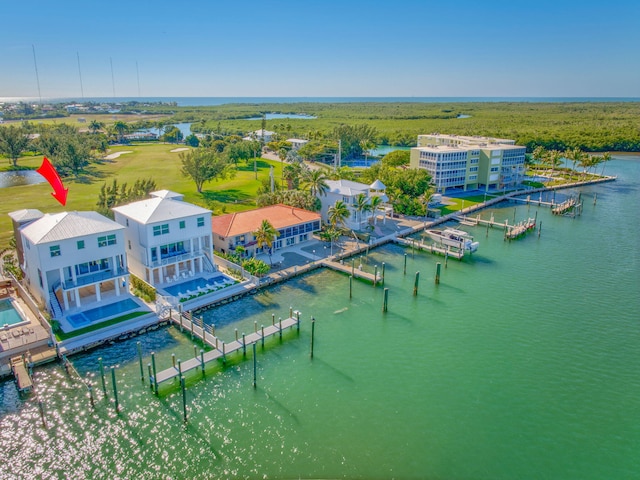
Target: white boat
x=454, y=238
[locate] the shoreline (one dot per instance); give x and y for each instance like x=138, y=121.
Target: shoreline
x=410, y=227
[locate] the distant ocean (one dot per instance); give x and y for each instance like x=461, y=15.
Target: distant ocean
x=212, y=101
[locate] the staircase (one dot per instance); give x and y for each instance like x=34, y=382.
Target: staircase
x=56, y=308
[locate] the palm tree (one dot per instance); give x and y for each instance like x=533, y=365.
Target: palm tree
x=291, y=172
x=95, y=125
x=606, y=156
x=375, y=203
x=265, y=235
x=554, y=158
x=362, y=206
x=338, y=213
x=539, y=154
x=316, y=182
x=120, y=128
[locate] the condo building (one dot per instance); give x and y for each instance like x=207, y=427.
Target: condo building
x=469, y=162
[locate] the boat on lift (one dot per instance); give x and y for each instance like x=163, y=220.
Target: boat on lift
x=454, y=238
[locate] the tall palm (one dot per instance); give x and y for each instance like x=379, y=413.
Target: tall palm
x=95, y=126
x=120, y=128
x=265, y=235
x=606, y=156
x=375, y=203
x=554, y=158
x=362, y=206
x=338, y=213
x=316, y=182
x=539, y=154
x=292, y=172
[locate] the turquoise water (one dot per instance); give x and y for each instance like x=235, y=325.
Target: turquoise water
x=101, y=313
x=8, y=314
x=522, y=364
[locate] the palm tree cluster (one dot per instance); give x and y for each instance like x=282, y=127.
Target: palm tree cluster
x=578, y=158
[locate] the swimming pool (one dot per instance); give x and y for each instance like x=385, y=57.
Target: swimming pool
x=8, y=313
x=195, y=283
x=82, y=319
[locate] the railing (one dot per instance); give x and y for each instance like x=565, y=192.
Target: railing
x=170, y=260
x=94, y=278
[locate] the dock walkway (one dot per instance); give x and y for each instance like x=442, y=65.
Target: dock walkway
x=219, y=349
x=21, y=374
x=448, y=251
x=350, y=270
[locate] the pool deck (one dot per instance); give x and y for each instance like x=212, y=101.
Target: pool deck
x=27, y=338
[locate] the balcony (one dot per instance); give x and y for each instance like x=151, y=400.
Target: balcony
x=176, y=257
x=92, y=278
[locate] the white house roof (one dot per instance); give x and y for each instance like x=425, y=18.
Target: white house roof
x=377, y=185
x=156, y=209
x=167, y=194
x=26, y=215
x=346, y=187
x=297, y=140
x=63, y=226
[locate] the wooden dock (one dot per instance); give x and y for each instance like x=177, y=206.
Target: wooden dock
x=448, y=251
x=19, y=369
x=570, y=206
x=520, y=229
x=219, y=349
x=351, y=270
x=475, y=221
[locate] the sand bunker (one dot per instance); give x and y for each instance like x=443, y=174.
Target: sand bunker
x=113, y=156
x=182, y=149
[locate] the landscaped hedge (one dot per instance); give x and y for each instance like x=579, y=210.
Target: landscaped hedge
x=142, y=289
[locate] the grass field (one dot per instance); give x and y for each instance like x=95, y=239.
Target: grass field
x=106, y=118
x=154, y=161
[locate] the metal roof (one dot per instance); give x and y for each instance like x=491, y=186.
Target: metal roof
x=63, y=226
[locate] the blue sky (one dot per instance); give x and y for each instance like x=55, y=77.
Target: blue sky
x=322, y=48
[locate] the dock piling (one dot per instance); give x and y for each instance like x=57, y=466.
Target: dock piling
x=139, y=345
x=280, y=327
x=42, y=417
x=313, y=332
x=90, y=388
x=155, y=372
x=184, y=397
x=104, y=384
x=202, y=361
x=375, y=275
x=173, y=360
x=415, y=284
x=255, y=365
x=351, y=286
x=115, y=388
x=438, y=273
x=262, y=336
x=404, y=271
x=244, y=346
x=382, y=280
x=386, y=300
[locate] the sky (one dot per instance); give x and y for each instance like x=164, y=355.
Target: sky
x=327, y=48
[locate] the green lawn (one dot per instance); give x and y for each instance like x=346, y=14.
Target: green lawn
x=147, y=161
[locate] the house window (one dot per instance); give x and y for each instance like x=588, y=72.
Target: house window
x=129, y=244
x=127, y=220
x=106, y=240
x=160, y=230
x=40, y=278
x=92, y=267
x=473, y=169
x=182, y=224
x=54, y=251
x=201, y=221
x=495, y=169
x=80, y=244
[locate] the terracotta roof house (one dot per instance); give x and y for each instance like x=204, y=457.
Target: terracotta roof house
x=236, y=229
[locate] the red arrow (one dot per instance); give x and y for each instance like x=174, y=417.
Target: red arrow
x=49, y=173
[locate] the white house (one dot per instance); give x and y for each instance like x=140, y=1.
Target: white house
x=73, y=260
x=261, y=135
x=349, y=192
x=166, y=237
x=296, y=143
